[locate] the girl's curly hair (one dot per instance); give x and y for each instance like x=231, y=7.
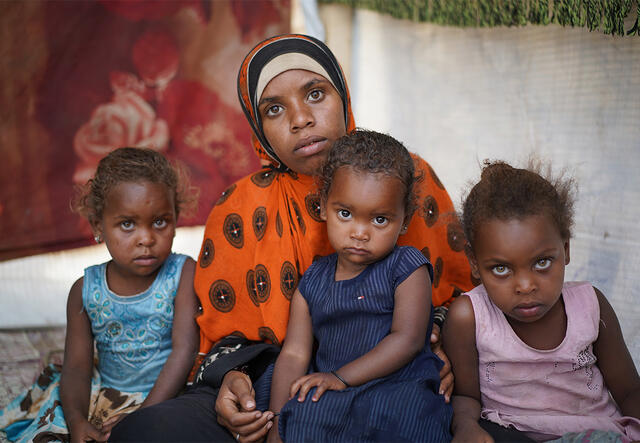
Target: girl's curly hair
x=505, y=192
x=133, y=165
x=371, y=152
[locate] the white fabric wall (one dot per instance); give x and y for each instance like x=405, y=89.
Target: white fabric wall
x=457, y=96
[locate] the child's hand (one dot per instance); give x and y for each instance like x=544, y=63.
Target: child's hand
x=108, y=425
x=82, y=431
x=323, y=381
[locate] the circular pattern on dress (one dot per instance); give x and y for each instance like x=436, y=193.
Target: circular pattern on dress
x=260, y=222
x=278, y=224
x=314, y=209
x=437, y=271
x=267, y=334
x=427, y=254
x=222, y=296
x=251, y=286
x=435, y=178
x=263, y=178
x=299, y=219
x=225, y=194
x=455, y=236
x=288, y=279
x=206, y=257
x=263, y=283
x=233, y=230
x=431, y=211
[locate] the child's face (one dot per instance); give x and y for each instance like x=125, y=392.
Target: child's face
x=365, y=214
x=302, y=116
x=138, y=224
x=521, y=264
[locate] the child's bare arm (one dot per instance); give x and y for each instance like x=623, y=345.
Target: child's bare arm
x=294, y=357
x=615, y=362
x=459, y=340
x=75, y=383
x=184, y=340
x=412, y=304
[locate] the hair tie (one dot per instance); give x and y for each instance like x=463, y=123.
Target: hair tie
x=341, y=379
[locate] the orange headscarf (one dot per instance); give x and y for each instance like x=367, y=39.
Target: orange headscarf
x=265, y=229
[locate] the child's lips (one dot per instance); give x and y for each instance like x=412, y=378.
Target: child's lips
x=145, y=260
x=529, y=309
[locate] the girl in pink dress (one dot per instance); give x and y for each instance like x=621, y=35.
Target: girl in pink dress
x=530, y=351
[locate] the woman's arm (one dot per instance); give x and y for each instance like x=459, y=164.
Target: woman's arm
x=75, y=383
x=412, y=304
x=615, y=362
x=184, y=341
x=459, y=340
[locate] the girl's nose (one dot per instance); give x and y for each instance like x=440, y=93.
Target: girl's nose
x=145, y=237
x=359, y=233
x=525, y=284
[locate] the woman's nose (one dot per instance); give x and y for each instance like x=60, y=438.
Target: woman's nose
x=302, y=116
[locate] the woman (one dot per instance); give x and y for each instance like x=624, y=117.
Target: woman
x=265, y=231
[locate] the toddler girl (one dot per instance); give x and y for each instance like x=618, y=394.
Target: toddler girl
x=138, y=308
x=529, y=350
x=373, y=376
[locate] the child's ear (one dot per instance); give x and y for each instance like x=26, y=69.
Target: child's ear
x=323, y=210
x=566, y=252
x=405, y=225
x=96, y=229
x=472, y=261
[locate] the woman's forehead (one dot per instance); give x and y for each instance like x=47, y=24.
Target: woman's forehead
x=292, y=79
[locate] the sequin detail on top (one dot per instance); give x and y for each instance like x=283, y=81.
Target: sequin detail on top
x=133, y=334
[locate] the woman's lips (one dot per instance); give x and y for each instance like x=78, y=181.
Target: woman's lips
x=310, y=146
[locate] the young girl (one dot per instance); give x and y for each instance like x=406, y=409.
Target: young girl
x=139, y=308
x=529, y=350
x=374, y=377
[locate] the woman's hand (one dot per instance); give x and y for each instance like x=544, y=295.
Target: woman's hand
x=446, y=375
x=324, y=381
x=235, y=407
x=82, y=430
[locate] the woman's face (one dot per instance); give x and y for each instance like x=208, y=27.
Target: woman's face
x=302, y=116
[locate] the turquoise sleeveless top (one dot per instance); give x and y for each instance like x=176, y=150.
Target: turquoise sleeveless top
x=132, y=334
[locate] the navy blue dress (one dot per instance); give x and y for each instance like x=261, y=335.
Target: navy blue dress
x=350, y=317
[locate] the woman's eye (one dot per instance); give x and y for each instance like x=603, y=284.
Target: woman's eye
x=316, y=94
x=542, y=264
x=273, y=110
x=380, y=220
x=344, y=214
x=500, y=270
x=127, y=225
x=160, y=223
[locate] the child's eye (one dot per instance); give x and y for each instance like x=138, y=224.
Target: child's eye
x=160, y=223
x=127, y=225
x=542, y=264
x=380, y=220
x=344, y=214
x=500, y=270
x=273, y=110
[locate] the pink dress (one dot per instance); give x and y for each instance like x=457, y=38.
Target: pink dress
x=546, y=393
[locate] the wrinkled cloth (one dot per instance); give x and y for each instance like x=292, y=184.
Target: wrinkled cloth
x=546, y=393
x=350, y=318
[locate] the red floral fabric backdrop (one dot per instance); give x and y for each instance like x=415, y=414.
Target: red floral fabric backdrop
x=79, y=79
